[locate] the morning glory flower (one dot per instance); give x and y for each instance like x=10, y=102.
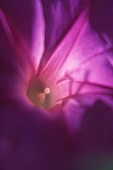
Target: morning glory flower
x=52, y=58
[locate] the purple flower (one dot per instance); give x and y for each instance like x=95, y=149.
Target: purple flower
x=50, y=56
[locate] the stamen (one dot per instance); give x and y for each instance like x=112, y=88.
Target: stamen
x=41, y=98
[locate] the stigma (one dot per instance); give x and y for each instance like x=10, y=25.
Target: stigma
x=47, y=90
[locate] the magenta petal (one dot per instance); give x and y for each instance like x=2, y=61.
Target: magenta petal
x=79, y=63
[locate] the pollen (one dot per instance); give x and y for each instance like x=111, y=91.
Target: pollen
x=47, y=90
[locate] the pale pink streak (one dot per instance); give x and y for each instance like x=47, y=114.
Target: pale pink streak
x=53, y=68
